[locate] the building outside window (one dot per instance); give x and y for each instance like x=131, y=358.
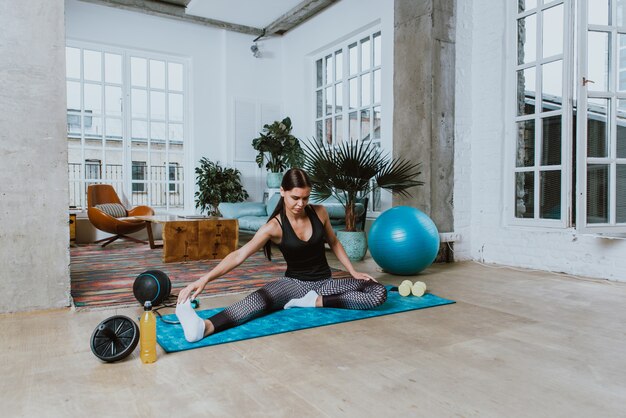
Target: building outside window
x=127, y=110
x=570, y=115
x=348, y=94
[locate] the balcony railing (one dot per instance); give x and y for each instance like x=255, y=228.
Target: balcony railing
x=152, y=187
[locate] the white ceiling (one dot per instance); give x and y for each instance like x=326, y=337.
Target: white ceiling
x=255, y=13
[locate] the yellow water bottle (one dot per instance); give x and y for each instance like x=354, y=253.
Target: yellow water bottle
x=147, y=334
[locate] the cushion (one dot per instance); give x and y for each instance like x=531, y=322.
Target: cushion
x=239, y=209
x=252, y=223
x=272, y=202
x=115, y=210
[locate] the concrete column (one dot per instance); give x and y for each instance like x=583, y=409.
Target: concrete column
x=423, y=121
x=34, y=232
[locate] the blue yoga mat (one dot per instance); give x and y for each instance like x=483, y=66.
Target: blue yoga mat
x=172, y=339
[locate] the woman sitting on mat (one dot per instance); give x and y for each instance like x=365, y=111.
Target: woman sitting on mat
x=300, y=231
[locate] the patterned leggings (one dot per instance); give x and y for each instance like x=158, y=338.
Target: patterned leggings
x=336, y=293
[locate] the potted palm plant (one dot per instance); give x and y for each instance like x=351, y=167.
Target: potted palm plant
x=217, y=184
x=279, y=148
x=346, y=172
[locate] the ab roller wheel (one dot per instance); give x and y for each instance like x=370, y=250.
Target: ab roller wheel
x=114, y=338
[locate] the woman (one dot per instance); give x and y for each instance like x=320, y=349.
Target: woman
x=300, y=231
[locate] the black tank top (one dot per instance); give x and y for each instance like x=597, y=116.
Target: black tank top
x=306, y=260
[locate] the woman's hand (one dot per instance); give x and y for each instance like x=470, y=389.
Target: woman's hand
x=363, y=276
x=192, y=289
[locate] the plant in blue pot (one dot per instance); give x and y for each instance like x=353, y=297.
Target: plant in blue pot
x=350, y=170
x=279, y=149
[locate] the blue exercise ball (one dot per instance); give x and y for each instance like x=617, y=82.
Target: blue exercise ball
x=403, y=240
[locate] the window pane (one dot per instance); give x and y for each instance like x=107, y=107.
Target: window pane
x=377, y=86
x=598, y=12
x=338, y=65
x=365, y=124
x=366, y=91
x=138, y=71
x=527, y=39
x=93, y=97
x=329, y=131
x=377, y=122
x=597, y=193
x=113, y=100
x=354, y=59
x=319, y=100
x=157, y=74
x=93, y=127
x=526, y=91
x=377, y=59
x=113, y=170
x=329, y=100
x=73, y=95
x=113, y=128
x=524, y=5
x=552, y=31
x=175, y=76
x=139, y=103
x=72, y=62
x=365, y=54
x=621, y=129
x=353, y=127
x=73, y=124
x=176, y=132
x=338, y=97
x=353, y=92
x=139, y=129
x=621, y=85
x=551, y=152
x=597, y=127
x=598, y=60
x=157, y=105
x=552, y=86
x=525, y=144
x=113, y=68
x=525, y=195
x=92, y=62
x=318, y=72
x=550, y=194
x=157, y=131
x=620, y=213
x=319, y=132
x=328, y=76
x=621, y=13
x=175, y=102
x=338, y=129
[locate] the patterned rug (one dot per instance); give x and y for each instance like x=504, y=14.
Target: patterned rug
x=105, y=276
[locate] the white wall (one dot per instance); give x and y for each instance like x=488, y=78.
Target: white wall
x=480, y=172
x=34, y=231
x=331, y=28
x=222, y=68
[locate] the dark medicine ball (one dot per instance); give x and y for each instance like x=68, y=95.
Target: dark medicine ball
x=152, y=285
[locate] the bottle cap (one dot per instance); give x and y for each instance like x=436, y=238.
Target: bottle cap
x=147, y=306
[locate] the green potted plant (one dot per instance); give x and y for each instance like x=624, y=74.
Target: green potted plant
x=279, y=148
x=346, y=172
x=217, y=184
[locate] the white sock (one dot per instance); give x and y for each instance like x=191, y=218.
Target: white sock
x=306, y=301
x=192, y=324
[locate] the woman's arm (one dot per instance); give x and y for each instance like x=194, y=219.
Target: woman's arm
x=266, y=232
x=336, y=246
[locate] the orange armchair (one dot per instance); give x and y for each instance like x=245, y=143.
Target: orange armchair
x=106, y=212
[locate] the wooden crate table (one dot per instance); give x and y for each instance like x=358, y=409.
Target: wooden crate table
x=194, y=239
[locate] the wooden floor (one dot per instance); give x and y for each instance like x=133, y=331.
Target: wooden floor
x=516, y=343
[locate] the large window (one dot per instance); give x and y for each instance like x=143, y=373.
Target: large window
x=348, y=94
x=570, y=124
x=126, y=118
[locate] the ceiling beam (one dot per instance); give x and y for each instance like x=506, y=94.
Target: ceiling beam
x=174, y=9
x=296, y=16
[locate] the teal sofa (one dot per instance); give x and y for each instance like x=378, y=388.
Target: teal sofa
x=252, y=215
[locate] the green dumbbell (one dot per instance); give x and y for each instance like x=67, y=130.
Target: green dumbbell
x=405, y=288
x=418, y=289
